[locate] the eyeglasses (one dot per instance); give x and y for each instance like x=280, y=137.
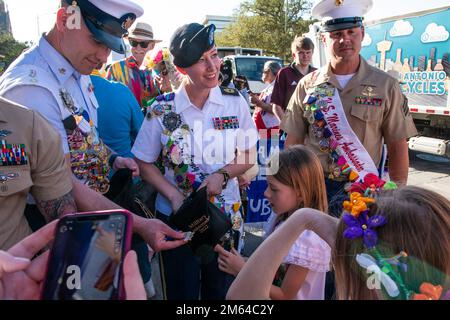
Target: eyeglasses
x=143, y=44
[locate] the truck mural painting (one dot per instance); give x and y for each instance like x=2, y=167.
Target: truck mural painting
x=415, y=49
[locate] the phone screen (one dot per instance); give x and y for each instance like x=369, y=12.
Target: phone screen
x=86, y=258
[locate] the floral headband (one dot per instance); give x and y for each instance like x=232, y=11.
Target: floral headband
x=360, y=225
x=154, y=58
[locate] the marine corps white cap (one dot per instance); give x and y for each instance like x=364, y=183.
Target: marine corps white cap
x=340, y=14
x=109, y=20
x=118, y=8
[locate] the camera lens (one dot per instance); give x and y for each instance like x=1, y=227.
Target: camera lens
x=63, y=229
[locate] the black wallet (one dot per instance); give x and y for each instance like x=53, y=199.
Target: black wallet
x=208, y=223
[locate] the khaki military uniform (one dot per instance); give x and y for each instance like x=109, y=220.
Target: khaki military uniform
x=31, y=161
x=374, y=105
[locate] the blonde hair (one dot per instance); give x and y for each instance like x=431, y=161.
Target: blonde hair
x=418, y=223
x=300, y=169
x=302, y=43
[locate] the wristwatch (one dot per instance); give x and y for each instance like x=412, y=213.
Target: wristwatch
x=226, y=177
x=111, y=160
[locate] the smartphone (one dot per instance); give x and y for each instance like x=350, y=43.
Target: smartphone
x=86, y=258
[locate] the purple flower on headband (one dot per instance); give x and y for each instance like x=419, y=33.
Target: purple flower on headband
x=447, y=296
x=363, y=226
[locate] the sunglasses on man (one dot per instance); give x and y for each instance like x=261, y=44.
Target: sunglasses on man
x=143, y=44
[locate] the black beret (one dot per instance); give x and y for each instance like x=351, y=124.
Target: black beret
x=189, y=42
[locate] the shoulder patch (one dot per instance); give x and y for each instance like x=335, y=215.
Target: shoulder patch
x=406, y=111
x=229, y=91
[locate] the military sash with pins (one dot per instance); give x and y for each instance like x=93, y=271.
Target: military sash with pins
x=349, y=160
x=88, y=154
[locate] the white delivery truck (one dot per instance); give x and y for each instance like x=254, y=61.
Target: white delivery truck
x=229, y=51
x=415, y=48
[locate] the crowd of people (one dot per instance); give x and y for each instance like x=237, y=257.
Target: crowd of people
x=177, y=121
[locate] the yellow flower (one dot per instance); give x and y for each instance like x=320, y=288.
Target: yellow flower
x=166, y=55
x=151, y=64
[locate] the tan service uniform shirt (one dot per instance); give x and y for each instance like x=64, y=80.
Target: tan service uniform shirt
x=45, y=176
x=374, y=125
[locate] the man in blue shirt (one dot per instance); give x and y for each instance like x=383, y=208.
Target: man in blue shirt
x=119, y=115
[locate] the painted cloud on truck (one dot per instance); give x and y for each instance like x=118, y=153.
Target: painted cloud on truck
x=401, y=28
x=367, y=40
x=434, y=33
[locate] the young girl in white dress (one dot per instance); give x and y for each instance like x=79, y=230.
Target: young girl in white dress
x=296, y=181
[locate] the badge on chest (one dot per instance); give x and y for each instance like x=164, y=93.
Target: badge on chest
x=368, y=98
x=12, y=154
x=226, y=123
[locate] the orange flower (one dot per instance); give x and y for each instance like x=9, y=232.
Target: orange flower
x=357, y=204
x=428, y=292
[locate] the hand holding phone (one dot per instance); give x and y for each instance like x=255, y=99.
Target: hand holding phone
x=87, y=256
x=17, y=267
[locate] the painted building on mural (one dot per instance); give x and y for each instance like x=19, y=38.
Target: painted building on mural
x=416, y=49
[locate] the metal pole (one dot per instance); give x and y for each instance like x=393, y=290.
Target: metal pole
x=38, y=26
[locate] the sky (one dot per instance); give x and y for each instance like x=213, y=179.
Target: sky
x=31, y=17
x=165, y=16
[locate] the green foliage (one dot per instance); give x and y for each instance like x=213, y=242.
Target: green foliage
x=10, y=49
x=267, y=24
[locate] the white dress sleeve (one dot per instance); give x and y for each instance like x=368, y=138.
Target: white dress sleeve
x=311, y=252
x=147, y=146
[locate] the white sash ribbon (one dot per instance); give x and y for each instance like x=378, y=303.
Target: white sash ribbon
x=348, y=142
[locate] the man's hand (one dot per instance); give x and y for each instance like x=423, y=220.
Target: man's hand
x=213, y=184
x=126, y=163
x=156, y=232
x=398, y=161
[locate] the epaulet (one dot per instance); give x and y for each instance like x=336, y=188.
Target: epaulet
x=229, y=91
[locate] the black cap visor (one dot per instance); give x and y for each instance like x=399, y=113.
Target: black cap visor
x=342, y=24
x=114, y=42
